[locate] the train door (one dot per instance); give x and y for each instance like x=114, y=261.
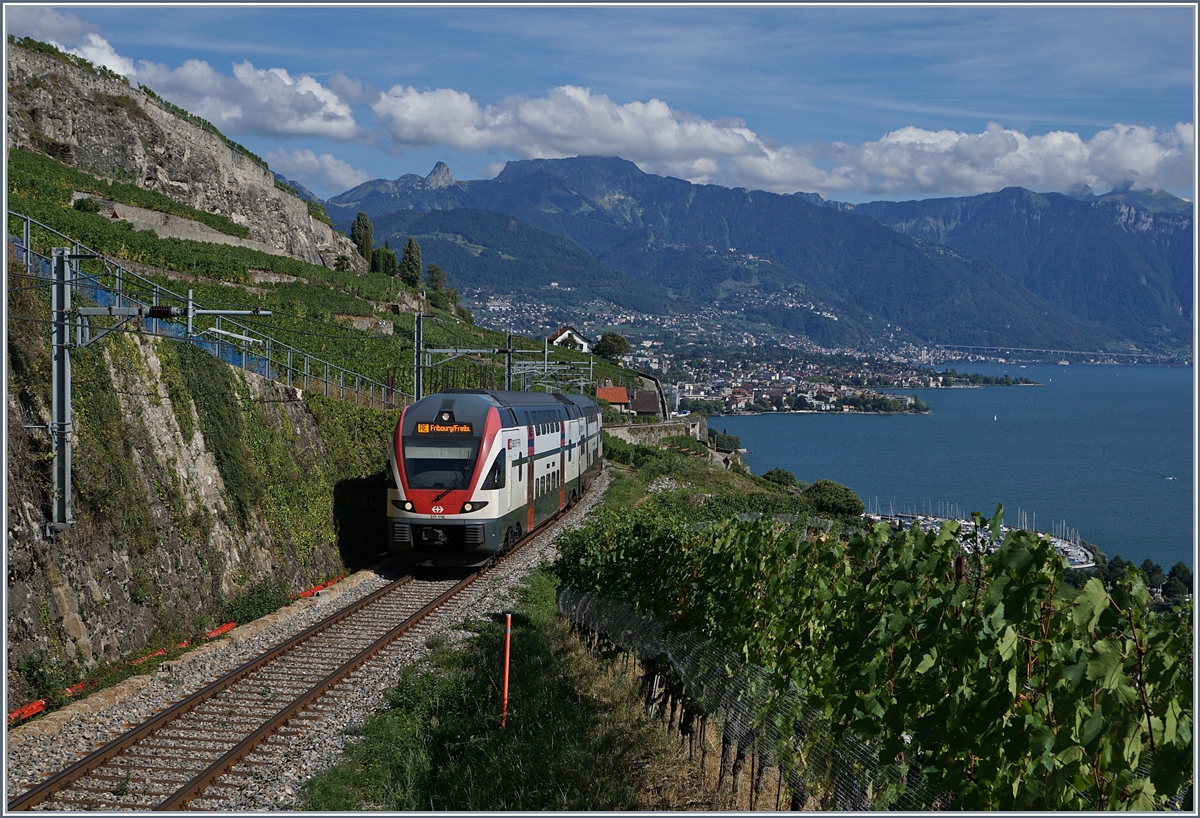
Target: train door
x=562, y=464
x=530, y=494
x=506, y=492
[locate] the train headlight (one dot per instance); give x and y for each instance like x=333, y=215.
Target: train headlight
x=408, y=506
x=474, y=505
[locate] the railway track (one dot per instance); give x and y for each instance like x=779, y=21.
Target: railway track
x=184, y=752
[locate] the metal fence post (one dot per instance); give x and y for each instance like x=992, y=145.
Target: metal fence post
x=60, y=396
x=326, y=379
x=28, y=249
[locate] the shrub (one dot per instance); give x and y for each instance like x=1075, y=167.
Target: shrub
x=782, y=477
x=831, y=499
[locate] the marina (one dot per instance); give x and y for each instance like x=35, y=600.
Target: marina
x=1072, y=550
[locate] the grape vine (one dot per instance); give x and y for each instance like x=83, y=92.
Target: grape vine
x=980, y=671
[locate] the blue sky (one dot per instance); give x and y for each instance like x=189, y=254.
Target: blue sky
x=855, y=103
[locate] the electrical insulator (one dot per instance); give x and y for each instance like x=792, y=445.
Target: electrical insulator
x=159, y=312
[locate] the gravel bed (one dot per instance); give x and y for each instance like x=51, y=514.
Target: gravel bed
x=271, y=778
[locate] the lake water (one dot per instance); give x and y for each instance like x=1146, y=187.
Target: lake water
x=1104, y=450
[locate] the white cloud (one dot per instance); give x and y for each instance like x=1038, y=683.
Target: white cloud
x=268, y=102
x=45, y=24
x=349, y=89
x=98, y=51
x=67, y=33
x=325, y=175
x=571, y=121
x=914, y=160
x=568, y=121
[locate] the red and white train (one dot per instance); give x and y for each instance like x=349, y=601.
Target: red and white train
x=472, y=471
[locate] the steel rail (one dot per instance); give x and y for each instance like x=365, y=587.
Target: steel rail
x=218, y=769
x=85, y=765
x=225, y=763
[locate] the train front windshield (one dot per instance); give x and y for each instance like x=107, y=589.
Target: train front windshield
x=439, y=464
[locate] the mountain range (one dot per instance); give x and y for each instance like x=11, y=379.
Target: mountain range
x=1012, y=268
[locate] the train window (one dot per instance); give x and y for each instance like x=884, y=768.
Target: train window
x=496, y=476
x=439, y=465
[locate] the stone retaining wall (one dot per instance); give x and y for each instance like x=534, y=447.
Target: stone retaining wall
x=651, y=434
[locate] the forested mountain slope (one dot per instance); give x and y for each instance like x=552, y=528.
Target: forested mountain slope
x=786, y=259
x=1101, y=259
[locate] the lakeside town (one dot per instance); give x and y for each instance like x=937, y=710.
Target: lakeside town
x=714, y=361
x=732, y=381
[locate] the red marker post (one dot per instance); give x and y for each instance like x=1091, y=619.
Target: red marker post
x=504, y=699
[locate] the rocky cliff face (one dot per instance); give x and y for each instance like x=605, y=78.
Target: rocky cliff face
x=100, y=124
x=158, y=545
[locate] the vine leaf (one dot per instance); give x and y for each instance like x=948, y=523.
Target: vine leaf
x=1106, y=665
x=1090, y=605
x=1008, y=643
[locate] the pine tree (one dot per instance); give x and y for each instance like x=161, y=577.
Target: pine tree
x=383, y=260
x=362, y=233
x=410, y=263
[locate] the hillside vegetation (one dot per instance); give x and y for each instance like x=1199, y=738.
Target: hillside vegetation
x=198, y=489
x=195, y=482
x=985, y=674
x=306, y=310
x=499, y=253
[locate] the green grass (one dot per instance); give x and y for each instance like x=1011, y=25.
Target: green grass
x=704, y=491
x=573, y=737
x=39, y=177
